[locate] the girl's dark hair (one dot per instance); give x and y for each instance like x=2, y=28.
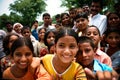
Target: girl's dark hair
x=40, y=30
x=65, y=31
x=64, y=14
x=22, y=41
x=46, y=35
x=25, y=27
x=81, y=15
x=6, y=42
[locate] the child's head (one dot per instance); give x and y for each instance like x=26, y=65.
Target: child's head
x=72, y=12
x=66, y=45
x=112, y=37
x=81, y=21
x=94, y=33
x=46, y=18
x=8, y=41
x=86, y=51
x=26, y=31
x=113, y=20
x=41, y=34
x=22, y=52
x=65, y=19
x=49, y=36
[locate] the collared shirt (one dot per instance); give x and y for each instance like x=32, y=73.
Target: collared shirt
x=100, y=66
x=99, y=21
x=103, y=57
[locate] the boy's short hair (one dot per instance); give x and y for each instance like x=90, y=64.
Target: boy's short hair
x=46, y=14
x=100, y=1
x=81, y=15
x=85, y=39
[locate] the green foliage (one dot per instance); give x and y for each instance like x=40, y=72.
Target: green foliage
x=28, y=9
x=107, y=4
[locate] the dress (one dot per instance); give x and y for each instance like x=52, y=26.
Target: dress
x=74, y=71
x=103, y=57
x=100, y=21
x=8, y=75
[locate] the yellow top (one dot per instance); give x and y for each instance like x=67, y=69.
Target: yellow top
x=74, y=71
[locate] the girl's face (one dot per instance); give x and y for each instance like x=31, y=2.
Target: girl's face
x=113, y=39
x=93, y=33
x=113, y=20
x=85, y=54
x=17, y=28
x=41, y=34
x=82, y=23
x=66, y=49
x=26, y=33
x=50, y=37
x=65, y=20
x=22, y=57
x=11, y=40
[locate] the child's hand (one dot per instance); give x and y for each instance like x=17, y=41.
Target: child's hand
x=35, y=64
x=101, y=75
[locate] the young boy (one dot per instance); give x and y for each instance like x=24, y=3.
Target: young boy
x=85, y=56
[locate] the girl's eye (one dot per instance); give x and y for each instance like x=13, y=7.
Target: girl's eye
x=28, y=54
x=72, y=46
x=87, y=50
x=61, y=46
x=18, y=54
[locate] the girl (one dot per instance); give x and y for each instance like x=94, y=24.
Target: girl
x=93, y=32
x=7, y=42
x=85, y=56
x=112, y=38
x=61, y=64
x=25, y=65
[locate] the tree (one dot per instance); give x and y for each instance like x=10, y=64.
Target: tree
x=28, y=9
x=107, y=4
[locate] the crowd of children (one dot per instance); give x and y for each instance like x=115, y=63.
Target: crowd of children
x=82, y=45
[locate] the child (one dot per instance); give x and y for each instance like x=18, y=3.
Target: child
x=61, y=64
x=85, y=56
x=7, y=42
x=112, y=38
x=27, y=33
x=93, y=32
x=24, y=67
x=81, y=21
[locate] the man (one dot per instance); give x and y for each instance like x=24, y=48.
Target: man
x=95, y=17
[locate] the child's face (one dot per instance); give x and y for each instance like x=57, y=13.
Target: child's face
x=93, y=33
x=85, y=54
x=113, y=39
x=11, y=40
x=65, y=20
x=26, y=33
x=22, y=57
x=113, y=20
x=81, y=23
x=66, y=49
x=17, y=28
x=41, y=34
x=50, y=37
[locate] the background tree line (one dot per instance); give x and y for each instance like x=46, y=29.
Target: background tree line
x=26, y=11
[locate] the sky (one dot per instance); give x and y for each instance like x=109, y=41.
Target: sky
x=53, y=7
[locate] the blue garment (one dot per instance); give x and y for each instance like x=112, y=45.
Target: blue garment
x=100, y=66
x=35, y=34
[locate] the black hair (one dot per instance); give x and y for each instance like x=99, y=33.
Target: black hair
x=94, y=27
x=22, y=41
x=25, y=27
x=64, y=14
x=84, y=39
x=46, y=35
x=110, y=30
x=45, y=14
x=98, y=1
x=57, y=16
x=81, y=15
x=6, y=42
x=65, y=31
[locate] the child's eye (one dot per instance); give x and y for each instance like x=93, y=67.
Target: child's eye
x=18, y=54
x=87, y=50
x=28, y=54
x=61, y=46
x=72, y=46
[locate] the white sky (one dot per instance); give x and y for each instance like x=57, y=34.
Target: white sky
x=53, y=7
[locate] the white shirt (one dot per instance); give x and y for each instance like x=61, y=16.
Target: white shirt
x=99, y=21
